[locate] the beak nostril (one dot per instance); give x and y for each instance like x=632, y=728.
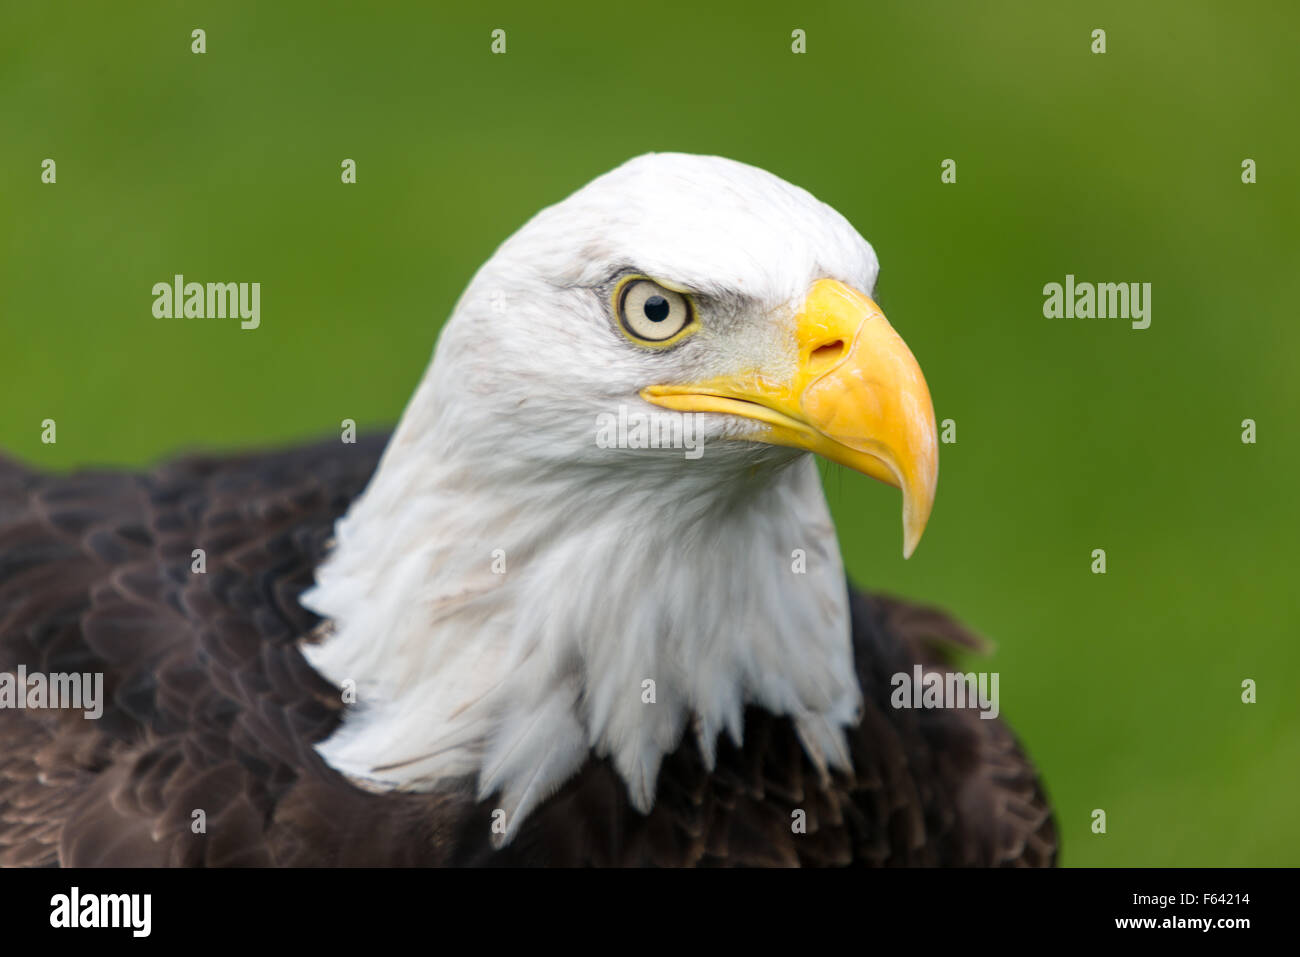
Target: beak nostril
x=828, y=353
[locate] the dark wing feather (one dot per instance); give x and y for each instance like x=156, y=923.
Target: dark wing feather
x=212, y=708
x=209, y=705
x=978, y=800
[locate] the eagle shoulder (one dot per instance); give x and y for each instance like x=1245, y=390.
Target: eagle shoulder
x=180, y=587
x=204, y=753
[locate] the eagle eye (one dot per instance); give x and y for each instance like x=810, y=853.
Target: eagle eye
x=650, y=313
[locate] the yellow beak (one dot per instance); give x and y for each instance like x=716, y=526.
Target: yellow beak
x=857, y=397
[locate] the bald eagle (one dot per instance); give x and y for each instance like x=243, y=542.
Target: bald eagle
x=493, y=638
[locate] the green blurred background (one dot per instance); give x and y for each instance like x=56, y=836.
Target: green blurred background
x=1072, y=434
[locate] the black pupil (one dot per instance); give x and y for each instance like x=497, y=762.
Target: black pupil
x=656, y=309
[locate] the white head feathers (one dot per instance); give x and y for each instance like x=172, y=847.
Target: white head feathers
x=506, y=588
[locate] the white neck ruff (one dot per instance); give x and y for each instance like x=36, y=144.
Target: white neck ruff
x=515, y=673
